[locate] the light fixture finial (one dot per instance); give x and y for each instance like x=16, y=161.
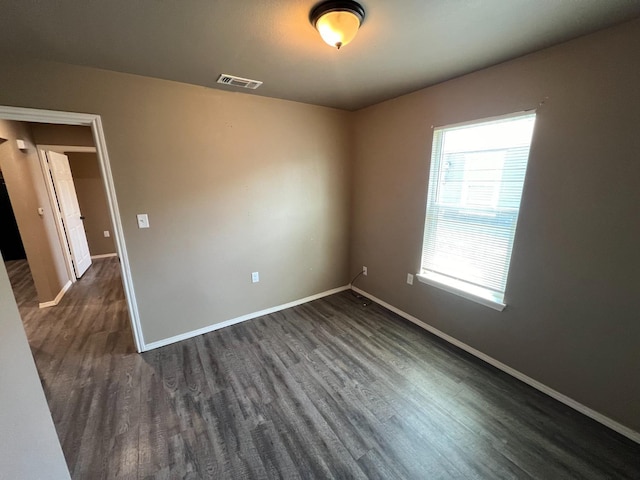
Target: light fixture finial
x=337, y=21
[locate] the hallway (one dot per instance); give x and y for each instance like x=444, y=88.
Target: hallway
x=73, y=345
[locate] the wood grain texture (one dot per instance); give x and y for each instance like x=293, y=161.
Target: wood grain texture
x=329, y=389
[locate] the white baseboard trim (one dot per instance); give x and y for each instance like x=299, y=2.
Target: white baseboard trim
x=598, y=417
x=56, y=300
x=243, y=318
x=104, y=255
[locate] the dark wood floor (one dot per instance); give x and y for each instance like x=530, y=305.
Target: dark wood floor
x=330, y=389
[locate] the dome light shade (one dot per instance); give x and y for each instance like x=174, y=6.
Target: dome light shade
x=337, y=22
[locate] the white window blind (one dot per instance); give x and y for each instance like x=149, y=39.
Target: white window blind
x=475, y=186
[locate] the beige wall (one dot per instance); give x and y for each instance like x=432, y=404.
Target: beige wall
x=47, y=134
x=27, y=191
x=572, y=320
x=232, y=184
x=29, y=446
x=93, y=201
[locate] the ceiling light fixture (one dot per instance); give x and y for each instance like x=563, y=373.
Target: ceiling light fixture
x=337, y=21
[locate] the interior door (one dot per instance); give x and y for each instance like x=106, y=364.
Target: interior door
x=69, y=211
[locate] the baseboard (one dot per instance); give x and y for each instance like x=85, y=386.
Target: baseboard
x=56, y=300
x=243, y=318
x=598, y=417
x=104, y=255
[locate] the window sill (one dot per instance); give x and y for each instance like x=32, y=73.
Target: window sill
x=462, y=289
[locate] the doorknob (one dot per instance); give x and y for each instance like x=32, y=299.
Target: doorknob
x=81, y=217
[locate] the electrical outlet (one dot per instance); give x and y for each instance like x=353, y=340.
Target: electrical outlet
x=364, y=271
x=255, y=277
x=107, y=234
x=409, y=279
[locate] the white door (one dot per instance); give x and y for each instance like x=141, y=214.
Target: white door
x=70, y=211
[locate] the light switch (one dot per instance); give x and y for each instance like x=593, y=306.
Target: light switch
x=107, y=233
x=143, y=220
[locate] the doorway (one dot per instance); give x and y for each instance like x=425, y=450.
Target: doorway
x=95, y=124
x=10, y=241
x=63, y=166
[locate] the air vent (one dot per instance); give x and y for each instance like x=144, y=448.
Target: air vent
x=238, y=81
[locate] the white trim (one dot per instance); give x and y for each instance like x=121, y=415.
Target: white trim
x=598, y=417
x=21, y=114
x=243, y=318
x=104, y=255
x=56, y=300
x=121, y=248
x=67, y=148
x=95, y=122
x=457, y=287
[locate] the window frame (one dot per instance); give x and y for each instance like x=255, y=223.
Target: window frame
x=462, y=288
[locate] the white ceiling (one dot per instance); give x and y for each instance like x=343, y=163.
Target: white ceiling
x=403, y=45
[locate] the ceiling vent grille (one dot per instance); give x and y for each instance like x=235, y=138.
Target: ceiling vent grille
x=238, y=81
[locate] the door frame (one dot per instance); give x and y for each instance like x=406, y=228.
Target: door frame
x=95, y=122
x=44, y=165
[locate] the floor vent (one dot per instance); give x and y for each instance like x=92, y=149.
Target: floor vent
x=238, y=81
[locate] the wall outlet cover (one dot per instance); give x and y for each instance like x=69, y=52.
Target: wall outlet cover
x=409, y=279
x=143, y=220
x=255, y=277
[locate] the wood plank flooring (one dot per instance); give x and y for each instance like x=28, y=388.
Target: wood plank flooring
x=329, y=389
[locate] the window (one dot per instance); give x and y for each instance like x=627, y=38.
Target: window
x=475, y=185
